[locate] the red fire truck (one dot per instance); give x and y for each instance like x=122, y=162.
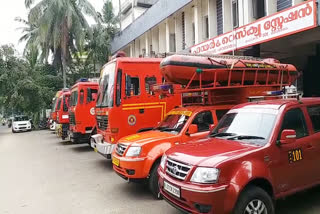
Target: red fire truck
x=126, y=104
x=82, y=110
x=62, y=126
x=53, y=114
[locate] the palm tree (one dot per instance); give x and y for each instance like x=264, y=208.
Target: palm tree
x=62, y=27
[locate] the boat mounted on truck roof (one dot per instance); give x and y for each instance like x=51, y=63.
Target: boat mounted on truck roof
x=214, y=80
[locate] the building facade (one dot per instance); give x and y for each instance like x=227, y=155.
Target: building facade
x=283, y=29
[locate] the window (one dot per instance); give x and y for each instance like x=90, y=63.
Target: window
x=149, y=81
x=220, y=113
x=183, y=31
x=219, y=17
x=206, y=27
x=294, y=119
x=235, y=13
x=172, y=42
x=81, y=96
x=91, y=94
x=258, y=7
x=132, y=86
x=74, y=97
x=314, y=113
x=193, y=34
x=283, y=4
x=59, y=104
x=203, y=120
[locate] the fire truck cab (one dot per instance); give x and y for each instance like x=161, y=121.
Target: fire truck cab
x=82, y=110
x=62, y=126
x=126, y=104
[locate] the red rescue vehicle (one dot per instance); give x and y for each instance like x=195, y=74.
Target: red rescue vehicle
x=209, y=92
x=53, y=114
x=126, y=104
x=82, y=110
x=62, y=126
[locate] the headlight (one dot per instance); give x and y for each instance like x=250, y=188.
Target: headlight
x=205, y=175
x=29, y=124
x=163, y=161
x=133, y=151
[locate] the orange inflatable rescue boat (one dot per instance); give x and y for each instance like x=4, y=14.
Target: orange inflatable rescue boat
x=181, y=69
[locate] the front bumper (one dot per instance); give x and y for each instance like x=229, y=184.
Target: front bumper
x=130, y=167
x=101, y=147
x=21, y=128
x=193, y=197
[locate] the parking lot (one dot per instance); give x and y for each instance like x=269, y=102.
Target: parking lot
x=42, y=174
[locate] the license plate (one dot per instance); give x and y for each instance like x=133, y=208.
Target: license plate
x=95, y=150
x=171, y=189
x=116, y=161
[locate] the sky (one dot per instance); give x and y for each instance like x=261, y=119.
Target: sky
x=11, y=9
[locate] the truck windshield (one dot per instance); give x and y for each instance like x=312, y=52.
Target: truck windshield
x=173, y=123
x=106, y=84
x=248, y=127
x=54, y=103
x=74, y=97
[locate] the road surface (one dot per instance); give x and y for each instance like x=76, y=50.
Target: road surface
x=42, y=174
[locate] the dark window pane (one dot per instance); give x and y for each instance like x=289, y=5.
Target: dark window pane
x=203, y=120
x=314, y=113
x=220, y=113
x=294, y=119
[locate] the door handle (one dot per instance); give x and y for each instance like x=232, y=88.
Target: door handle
x=310, y=146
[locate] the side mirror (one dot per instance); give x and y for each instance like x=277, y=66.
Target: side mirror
x=211, y=127
x=193, y=128
x=288, y=136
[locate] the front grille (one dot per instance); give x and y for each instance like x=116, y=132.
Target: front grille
x=72, y=118
x=102, y=122
x=121, y=148
x=22, y=124
x=177, y=169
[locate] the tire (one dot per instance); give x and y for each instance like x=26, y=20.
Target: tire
x=153, y=182
x=13, y=131
x=251, y=196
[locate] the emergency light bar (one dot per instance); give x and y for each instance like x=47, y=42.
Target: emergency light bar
x=83, y=80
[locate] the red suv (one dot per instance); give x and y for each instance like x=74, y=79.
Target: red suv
x=259, y=152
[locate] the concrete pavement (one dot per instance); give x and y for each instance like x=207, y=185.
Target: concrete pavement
x=41, y=174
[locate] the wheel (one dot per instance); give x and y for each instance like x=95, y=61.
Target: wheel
x=153, y=182
x=254, y=200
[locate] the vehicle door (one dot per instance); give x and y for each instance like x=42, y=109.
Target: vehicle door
x=204, y=121
x=292, y=169
x=314, y=115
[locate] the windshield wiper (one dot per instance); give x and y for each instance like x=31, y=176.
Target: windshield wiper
x=222, y=134
x=243, y=137
x=166, y=129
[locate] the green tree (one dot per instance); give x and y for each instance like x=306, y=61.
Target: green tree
x=62, y=27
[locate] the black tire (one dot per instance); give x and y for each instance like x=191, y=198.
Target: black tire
x=251, y=194
x=153, y=182
x=13, y=131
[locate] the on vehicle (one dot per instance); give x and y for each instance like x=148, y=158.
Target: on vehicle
x=126, y=104
x=259, y=152
x=82, y=110
x=62, y=110
x=21, y=123
x=138, y=156
x=53, y=114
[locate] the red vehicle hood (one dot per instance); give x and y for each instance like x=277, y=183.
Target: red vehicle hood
x=146, y=137
x=208, y=152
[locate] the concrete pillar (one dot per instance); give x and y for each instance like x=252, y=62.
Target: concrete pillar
x=295, y=2
x=137, y=47
x=245, y=8
x=212, y=15
x=167, y=35
x=155, y=39
x=142, y=45
x=188, y=27
x=147, y=44
x=178, y=31
x=162, y=37
x=197, y=19
x=227, y=16
x=131, y=49
x=271, y=7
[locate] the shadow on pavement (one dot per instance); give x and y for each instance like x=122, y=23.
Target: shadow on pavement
x=105, y=164
x=83, y=148
x=136, y=190
x=306, y=202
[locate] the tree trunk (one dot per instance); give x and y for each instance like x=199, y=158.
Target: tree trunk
x=64, y=47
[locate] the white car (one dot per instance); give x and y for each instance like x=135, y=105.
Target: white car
x=21, y=123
